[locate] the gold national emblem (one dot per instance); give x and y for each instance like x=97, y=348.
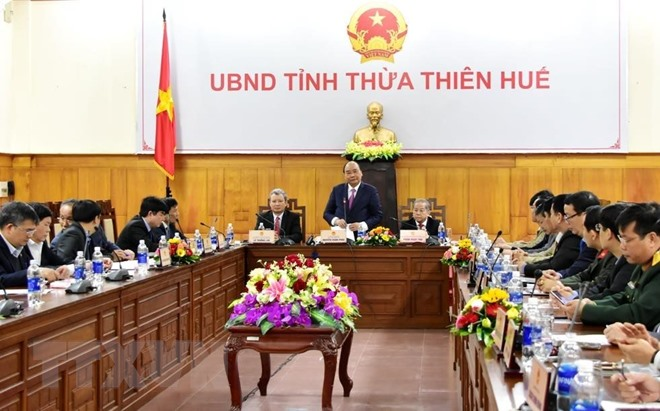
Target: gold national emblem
x=377, y=31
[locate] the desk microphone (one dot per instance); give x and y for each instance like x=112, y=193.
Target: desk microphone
x=499, y=233
x=581, y=290
x=490, y=272
x=224, y=237
x=537, y=274
x=284, y=240
x=8, y=306
x=404, y=223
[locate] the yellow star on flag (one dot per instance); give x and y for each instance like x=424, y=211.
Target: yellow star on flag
x=165, y=103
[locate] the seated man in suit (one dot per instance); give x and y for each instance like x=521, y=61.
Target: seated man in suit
x=141, y=227
x=169, y=226
x=421, y=219
x=541, y=237
x=77, y=237
x=18, y=222
x=640, y=241
x=568, y=244
x=37, y=249
x=353, y=205
x=285, y=222
x=65, y=218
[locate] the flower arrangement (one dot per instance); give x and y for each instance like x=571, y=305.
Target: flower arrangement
x=296, y=291
x=378, y=236
x=372, y=150
x=479, y=314
x=460, y=254
x=180, y=252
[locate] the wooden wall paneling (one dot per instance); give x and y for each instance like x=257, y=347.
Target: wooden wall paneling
x=417, y=185
x=489, y=198
x=52, y=184
x=641, y=184
x=140, y=183
x=190, y=190
x=94, y=183
x=240, y=199
x=402, y=189
x=300, y=183
x=215, y=195
x=541, y=178
x=119, y=195
x=450, y=187
x=606, y=183
x=21, y=170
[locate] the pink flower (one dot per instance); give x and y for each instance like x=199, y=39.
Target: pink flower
x=276, y=288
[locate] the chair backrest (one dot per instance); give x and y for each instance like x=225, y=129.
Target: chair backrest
x=437, y=211
x=108, y=218
x=292, y=206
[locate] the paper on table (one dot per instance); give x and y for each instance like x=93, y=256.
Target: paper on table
x=23, y=291
x=614, y=405
x=61, y=284
x=349, y=233
x=585, y=338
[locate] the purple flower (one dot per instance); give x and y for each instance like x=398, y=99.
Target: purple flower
x=250, y=300
x=253, y=315
x=336, y=312
x=240, y=309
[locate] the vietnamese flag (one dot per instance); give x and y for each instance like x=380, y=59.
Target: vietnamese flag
x=165, y=126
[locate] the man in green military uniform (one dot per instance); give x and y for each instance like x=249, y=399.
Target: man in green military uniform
x=638, y=303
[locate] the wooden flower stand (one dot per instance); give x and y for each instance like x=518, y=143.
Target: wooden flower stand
x=289, y=341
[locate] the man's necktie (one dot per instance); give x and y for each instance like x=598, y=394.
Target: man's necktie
x=421, y=226
x=351, y=197
x=277, y=225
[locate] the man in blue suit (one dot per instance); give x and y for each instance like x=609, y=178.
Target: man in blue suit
x=354, y=205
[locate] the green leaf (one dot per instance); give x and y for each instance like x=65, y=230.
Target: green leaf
x=262, y=318
x=295, y=310
x=234, y=321
x=323, y=318
x=265, y=326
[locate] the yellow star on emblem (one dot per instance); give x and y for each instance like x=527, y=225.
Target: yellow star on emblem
x=165, y=103
x=377, y=19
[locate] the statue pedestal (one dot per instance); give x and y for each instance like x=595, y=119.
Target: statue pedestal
x=382, y=175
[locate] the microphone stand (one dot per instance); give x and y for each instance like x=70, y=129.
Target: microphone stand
x=582, y=289
x=283, y=238
x=499, y=233
x=537, y=274
x=490, y=273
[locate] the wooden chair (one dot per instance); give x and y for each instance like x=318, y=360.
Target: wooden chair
x=437, y=211
x=108, y=219
x=294, y=207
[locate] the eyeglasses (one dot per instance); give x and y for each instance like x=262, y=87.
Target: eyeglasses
x=567, y=217
x=28, y=231
x=624, y=240
x=65, y=218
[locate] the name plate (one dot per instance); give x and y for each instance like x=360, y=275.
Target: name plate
x=333, y=236
x=539, y=382
x=165, y=258
x=413, y=236
x=500, y=329
x=261, y=237
x=509, y=342
x=208, y=249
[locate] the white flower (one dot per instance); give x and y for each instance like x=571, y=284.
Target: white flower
x=477, y=305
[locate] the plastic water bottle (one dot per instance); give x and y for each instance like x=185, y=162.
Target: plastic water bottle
x=213, y=238
x=142, y=258
x=199, y=243
x=97, y=267
x=230, y=235
x=442, y=233
x=360, y=232
x=568, y=354
x=261, y=226
x=79, y=266
x=515, y=289
x=177, y=236
x=162, y=245
x=530, y=316
x=33, y=284
x=585, y=390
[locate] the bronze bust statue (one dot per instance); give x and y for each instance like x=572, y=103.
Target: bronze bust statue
x=374, y=132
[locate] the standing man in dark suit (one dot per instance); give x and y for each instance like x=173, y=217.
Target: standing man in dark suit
x=18, y=222
x=421, y=219
x=285, y=222
x=141, y=227
x=355, y=204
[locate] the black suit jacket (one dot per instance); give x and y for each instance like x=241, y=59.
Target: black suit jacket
x=567, y=251
x=289, y=224
x=366, y=205
x=72, y=240
x=431, y=225
x=167, y=230
x=13, y=271
x=48, y=256
x=134, y=231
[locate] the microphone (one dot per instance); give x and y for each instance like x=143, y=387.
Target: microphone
x=490, y=272
x=582, y=290
x=537, y=274
x=224, y=237
x=283, y=238
x=404, y=223
x=499, y=233
x=8, y=306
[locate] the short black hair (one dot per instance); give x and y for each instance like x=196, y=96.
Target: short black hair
x=85, y=211
x=170, y=202
x=645, y=215
x=609, y=215
x=581, y=200
x=41, y=210
x=558, y=203
x=153, y=204
x=592, y=217
x=15, y=212
x=539, y=194
x=544, y=206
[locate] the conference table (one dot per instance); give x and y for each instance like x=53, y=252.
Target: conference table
x=118, y=347
x=484, y=385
